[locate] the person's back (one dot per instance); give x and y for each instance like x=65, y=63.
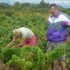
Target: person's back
x=26, y=33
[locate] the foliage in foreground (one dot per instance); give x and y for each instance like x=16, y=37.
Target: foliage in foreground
x=33, y=58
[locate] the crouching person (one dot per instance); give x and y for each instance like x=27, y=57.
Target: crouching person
x=28, y=37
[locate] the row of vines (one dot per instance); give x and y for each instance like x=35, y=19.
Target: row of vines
x=25, y=58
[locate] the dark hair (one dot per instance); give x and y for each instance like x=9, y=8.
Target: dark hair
x=53, y=5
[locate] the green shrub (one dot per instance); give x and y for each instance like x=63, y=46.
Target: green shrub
x=8, y=52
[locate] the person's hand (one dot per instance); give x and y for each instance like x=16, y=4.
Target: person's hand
x=68, y=39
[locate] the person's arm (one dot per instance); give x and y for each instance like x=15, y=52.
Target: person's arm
x=14, y=40
x=19, y=45
x=66, y=20
x=66, y=23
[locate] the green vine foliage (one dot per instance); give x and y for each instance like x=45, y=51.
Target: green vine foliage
x=35, y=18
x=31, y=58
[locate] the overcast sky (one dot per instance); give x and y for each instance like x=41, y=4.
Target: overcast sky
x=64, y=3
